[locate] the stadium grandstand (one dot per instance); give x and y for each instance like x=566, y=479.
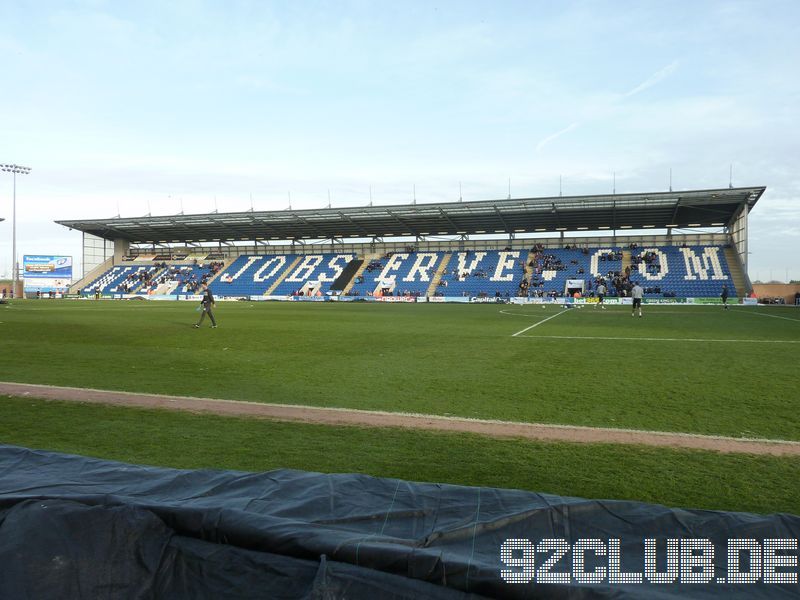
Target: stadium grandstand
x=677, y=245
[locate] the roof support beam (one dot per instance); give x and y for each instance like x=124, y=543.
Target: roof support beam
x=228, y=229
x=556, y=213
x=502, y=220
x=449, y=220
x=353, y=223
x=675, y=211
x=403, y=223
x=310, y=226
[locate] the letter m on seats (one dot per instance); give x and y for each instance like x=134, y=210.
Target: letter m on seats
x=703, y=267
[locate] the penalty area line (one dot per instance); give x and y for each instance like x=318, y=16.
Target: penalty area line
x=761, y=314
x=653, y=339
x=538, y=323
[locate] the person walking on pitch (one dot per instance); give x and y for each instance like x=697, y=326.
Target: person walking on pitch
x=601, y=294
x=638, y=293
x=206, y=304
x=724, y=296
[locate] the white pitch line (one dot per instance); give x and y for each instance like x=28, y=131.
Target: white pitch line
x=528, y=314
x=652, y=339
x=538, y=323
x=774, y=316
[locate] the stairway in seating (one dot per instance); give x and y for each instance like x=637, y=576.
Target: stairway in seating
x=283, y=276
x=737, y=274
x=529, y=269
x=368, y=258
x=626, y=260
x=140, y=288
x=348, y=275
x=437, y=278
x=225, y=264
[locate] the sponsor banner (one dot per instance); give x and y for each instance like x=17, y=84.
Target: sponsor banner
x=354, y=299
x=544, y=300
x=308, y=299
x=489, y=300
x=664, y=301
x=260, y=298
x=750, y=301
x=704, y=300
x=47, y=267
x=608, y=300
x=395, y=299
x=443, y=299
x=158, y=297
x=45, y=286
x=574, y=283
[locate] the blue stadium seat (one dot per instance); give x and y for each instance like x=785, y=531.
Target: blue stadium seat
x=693, y=271
x=403, y=273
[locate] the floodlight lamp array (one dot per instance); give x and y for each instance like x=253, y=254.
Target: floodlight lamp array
x=15, y=169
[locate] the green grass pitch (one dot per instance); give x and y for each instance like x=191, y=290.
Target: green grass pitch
x=687, y=369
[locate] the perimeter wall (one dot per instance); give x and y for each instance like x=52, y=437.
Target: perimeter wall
x=777, y=290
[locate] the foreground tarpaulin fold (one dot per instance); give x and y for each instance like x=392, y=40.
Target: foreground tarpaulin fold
x=77, y=527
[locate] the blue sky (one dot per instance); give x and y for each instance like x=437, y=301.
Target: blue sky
x=137, y=107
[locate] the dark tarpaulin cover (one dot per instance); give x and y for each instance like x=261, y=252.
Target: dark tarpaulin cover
x=77, y=527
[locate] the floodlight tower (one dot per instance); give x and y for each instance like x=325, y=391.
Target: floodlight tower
x=14, y=170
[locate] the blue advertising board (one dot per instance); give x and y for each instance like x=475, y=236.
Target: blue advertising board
x=46, y=273
x=47, y=267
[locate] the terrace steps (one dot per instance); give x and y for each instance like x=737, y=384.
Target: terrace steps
x=437, y=278
x=348, y=275
x=139, y=287
x=528, y=268
x=282, y=276
x=225, y=264
x=366, y=260
x=626, y=261
x=737, y=274
x=153, y=276
x=92, y=275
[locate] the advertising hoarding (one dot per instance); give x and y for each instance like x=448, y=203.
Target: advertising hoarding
x=46, y=273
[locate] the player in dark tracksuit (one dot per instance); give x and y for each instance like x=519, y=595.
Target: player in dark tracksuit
x=206, y=304
x=724, y=296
